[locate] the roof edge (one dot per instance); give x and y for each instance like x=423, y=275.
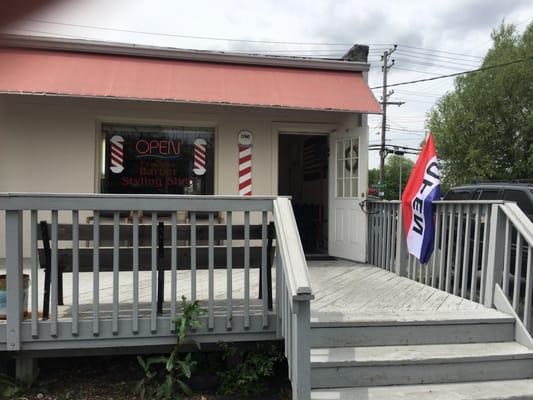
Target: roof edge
x=101, y=47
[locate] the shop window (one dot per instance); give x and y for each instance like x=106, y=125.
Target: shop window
x=157, y=160
x=347, y=168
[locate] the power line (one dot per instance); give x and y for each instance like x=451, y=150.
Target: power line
x=410, y=52
x=458, y=73
x=437, y=51
x=188, y=36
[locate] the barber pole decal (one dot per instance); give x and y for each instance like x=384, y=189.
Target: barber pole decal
x=423, y=187
x=117, y=154
x=199, y=156
x=245, y=163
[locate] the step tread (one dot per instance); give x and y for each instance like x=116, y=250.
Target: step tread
x=415, y=354
x=477, y=316
x=488, y=390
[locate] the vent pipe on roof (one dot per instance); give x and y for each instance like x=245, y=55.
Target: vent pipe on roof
x=358, y=52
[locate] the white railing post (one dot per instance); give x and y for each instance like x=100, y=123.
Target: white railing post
x=15, y=294
x=301, y=389
x=401, y=246
x=495, y=256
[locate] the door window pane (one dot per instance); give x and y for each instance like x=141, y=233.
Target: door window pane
x=347, y=168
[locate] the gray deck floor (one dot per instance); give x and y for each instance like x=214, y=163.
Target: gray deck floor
x=344, y=291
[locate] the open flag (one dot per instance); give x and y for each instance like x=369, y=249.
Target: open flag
x=422, y=188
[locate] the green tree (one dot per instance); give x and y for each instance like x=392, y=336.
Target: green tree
x=483, y=129
x=392, y=175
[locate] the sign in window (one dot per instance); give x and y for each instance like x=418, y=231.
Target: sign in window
x=157, y=160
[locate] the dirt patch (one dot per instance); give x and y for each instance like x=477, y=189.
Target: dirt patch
x=106, y=378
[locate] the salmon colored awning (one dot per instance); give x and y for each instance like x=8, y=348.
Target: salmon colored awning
x=78, y=74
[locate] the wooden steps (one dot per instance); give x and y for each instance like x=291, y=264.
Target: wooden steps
x=481, y=390
x=413, y=329
x=377, y=336
x=417, y=364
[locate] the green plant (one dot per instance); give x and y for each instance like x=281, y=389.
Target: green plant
x=10, y=386
x=247, y=376
x=165, y=376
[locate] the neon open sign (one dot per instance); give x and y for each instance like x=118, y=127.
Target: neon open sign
x=158, y=148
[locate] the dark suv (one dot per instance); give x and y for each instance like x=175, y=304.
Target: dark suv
x=521, y=193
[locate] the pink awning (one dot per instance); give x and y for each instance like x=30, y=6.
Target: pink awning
x=32, y=71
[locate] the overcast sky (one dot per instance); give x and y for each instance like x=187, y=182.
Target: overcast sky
x=433, y=37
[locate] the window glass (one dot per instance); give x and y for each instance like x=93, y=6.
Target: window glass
x=157, y=160
x=488, y=194
x=521, y=199
x=347, y=168
x=459, y=195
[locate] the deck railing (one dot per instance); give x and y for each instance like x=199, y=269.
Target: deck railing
x=221, y=234
x=478, y=245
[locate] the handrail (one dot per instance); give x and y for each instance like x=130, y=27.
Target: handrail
x=291, y=251
x=120, y=202
x=523, y=225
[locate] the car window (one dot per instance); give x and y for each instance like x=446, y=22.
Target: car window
x=458, y=195
x=487, y=194
x=521, y=198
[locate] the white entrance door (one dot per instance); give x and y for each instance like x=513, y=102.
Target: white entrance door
x=347, y=222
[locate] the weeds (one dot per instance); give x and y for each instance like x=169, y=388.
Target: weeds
x=247, y=376
x=165, y=377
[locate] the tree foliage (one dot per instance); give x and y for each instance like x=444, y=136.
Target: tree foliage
x=392, y=175
x=483, y=129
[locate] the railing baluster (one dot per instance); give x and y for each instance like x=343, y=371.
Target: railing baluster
x=96, y=273
x=229, y=270
x=247, y=269
x=211, y=280
x=116, y=238
x=34, y=277
x=370, y=235
x=377, y=242
x=529, y=289
x=75, y=271
x=475, y=256
x=153, y=313
x=264, y=269
x=383, y=241
x=451, y=228
x=386, y=212
x=54, y=274
x=14, y=278
x=466, y=252
x=394, y=238
x=484, y=252
x=135, y=307
x=458, y=247
x=279, y=273
x=442, y=246
x=435, y=247
x=517, y=271
x=174, y=267
x=193, y=256
x=506, y=257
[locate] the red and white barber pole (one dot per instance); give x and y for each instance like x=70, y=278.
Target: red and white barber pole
x=245, y=163
x=200, y=149
x=117, y=154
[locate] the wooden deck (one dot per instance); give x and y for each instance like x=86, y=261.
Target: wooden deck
x=347, y=291
x=344, y=291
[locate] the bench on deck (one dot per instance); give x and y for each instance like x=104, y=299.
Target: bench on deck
x=186, y=257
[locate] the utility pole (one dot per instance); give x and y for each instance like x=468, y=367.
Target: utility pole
x=384, y=102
